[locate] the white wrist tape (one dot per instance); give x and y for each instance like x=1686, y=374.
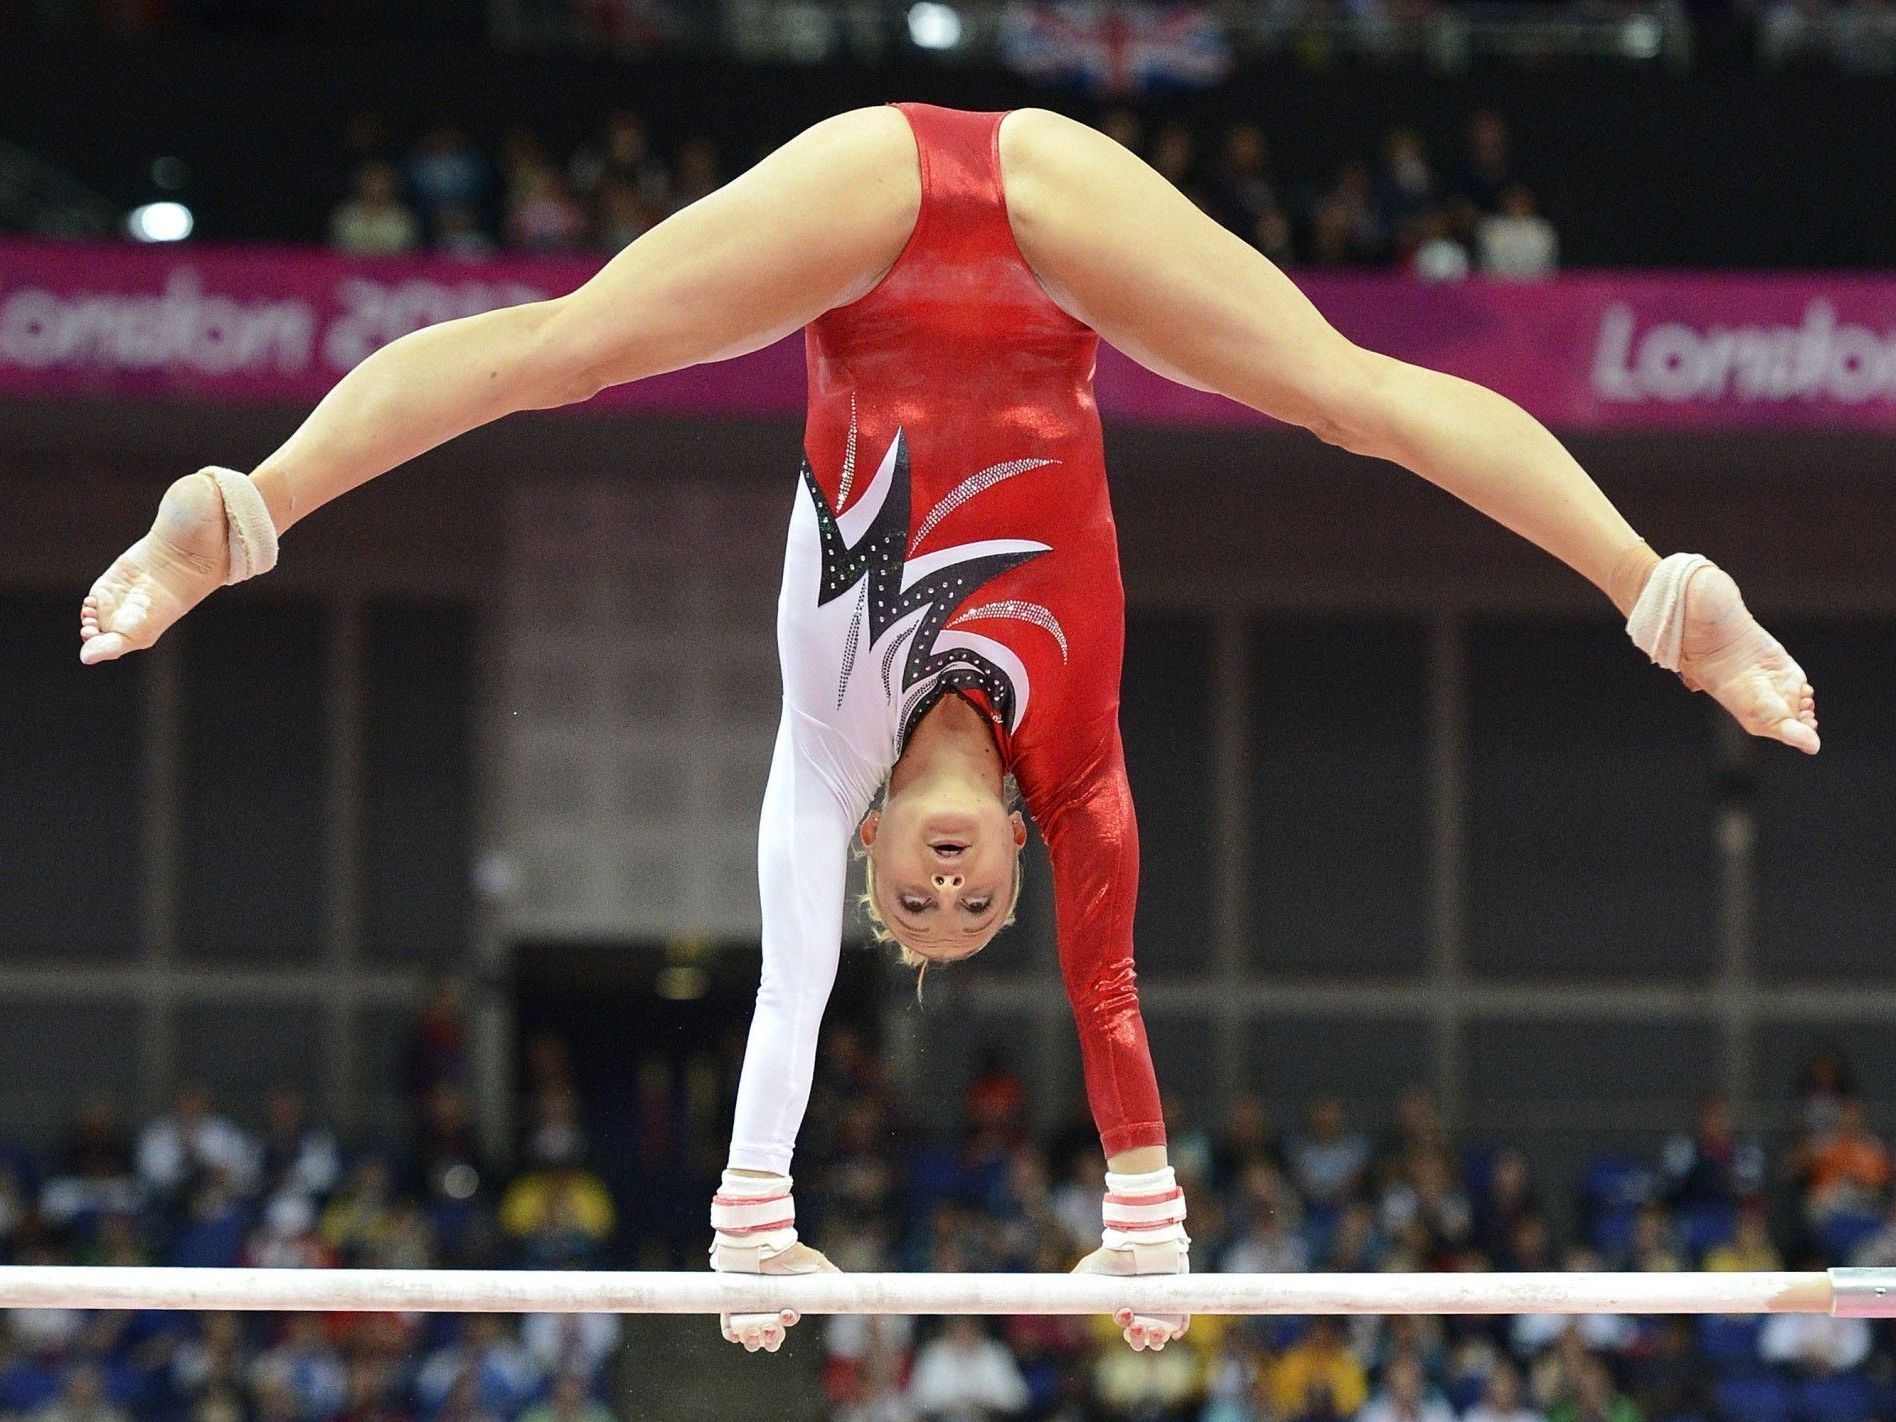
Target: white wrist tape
x=754, y=1215
x=1143, y=1209
x=252, y=532
x=1657, y=624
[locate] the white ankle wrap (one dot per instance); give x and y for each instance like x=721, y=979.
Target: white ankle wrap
x=1143, y=1209
x=1657, y=624
x=753, y=1216
x=252, y=532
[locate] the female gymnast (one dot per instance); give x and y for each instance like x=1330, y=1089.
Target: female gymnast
x=951, y=611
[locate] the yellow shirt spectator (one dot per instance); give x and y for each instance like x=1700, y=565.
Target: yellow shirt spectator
x=1318, y=1360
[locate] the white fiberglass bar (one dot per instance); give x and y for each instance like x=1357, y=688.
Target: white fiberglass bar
x=1860, y=1292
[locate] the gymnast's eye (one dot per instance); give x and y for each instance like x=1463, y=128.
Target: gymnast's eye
x=976, y=906
x=912, y=903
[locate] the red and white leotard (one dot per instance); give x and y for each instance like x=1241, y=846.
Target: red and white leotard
x=952, y=533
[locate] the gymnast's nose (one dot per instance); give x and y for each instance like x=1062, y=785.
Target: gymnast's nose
x=948, y=881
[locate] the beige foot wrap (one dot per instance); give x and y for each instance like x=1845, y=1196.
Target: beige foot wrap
x=1657, y=625
x=253, y=535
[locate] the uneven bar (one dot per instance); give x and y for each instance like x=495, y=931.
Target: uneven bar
x=1860, y=1292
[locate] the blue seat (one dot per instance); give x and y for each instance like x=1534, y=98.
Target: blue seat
x=1612, y=1192
x=1843, y=1398
x=1612, y=1232
x=1840, y=1235
x=1705, y=1226
x=1763, y=1398
x=1730, y=1343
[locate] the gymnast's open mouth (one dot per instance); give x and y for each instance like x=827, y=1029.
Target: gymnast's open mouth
x=948, y=848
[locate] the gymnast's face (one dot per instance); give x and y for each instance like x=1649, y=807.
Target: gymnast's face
x=946, y=860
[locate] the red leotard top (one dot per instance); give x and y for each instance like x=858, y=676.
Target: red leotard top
x=952, y=533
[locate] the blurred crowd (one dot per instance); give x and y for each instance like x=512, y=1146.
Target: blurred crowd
x=196, y=1187
x=1401, y=208
x=1329, y=1194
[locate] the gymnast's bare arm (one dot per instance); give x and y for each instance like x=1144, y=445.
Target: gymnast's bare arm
x=814, y=226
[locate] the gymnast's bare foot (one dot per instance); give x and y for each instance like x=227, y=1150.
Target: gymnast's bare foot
x=183, y=560
x=1744, y=668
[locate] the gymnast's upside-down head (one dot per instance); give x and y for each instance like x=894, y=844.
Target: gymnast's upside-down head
x=942, y=857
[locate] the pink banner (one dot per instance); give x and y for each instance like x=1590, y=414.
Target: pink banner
x=1616, y=351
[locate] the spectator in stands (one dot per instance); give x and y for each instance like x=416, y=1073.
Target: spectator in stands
x=458, y=233
x=571, y=1344
x=304, y=1367
x=1750, y=1247
x=1163, y=1387
x=559, y=1213
x=620, y=215
x=1878, y=1251
x=542, y=215
x=82, y=1399
x=436, y=1052
x=1317, y=1371
x=1488, y=164
x=1845, y=1168
x=1594, y=1398
x=1504, y=1196
x=1328, y=1161
x=623, y=155
x=867, y=1358
x=1240, y=191
x=698, y=172
x=1530, y=1245
x=1425, y=1187
x=374, y=221
x=1652, y=1250
x=296, y=1156
x=1671, y=1380
x=1406, y=186
x=568, y=1401
x=1406, y=1396
x=965, y=1376
x=1269, y=1240
x=177, y=1150
x=1435, y=254
x=1247, y=1138
x=1516, y=242
x=214, y=1363
x=1272, y=236
x=505, y=1376
x=1345, y=227
x=95, y=1173
x=445, y=172
x=463, y=1402
x=287, y=1237
x=360, y=1216
x=1502, y=1399
x=1175, y=156
x=1711, y=1166
x=374, y=1391
x=1126, y=127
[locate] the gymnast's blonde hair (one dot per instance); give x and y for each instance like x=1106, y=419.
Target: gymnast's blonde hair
x=879, y=926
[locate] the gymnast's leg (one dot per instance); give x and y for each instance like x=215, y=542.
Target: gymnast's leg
x=1124, y=251
x=810, y=227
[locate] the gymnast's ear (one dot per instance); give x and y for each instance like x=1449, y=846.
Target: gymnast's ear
x=867, y=830
x=1020, y=830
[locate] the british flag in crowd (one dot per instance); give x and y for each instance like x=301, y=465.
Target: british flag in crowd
x=1116, y=48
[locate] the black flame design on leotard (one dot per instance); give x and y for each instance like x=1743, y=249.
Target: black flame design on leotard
x=879, y=558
